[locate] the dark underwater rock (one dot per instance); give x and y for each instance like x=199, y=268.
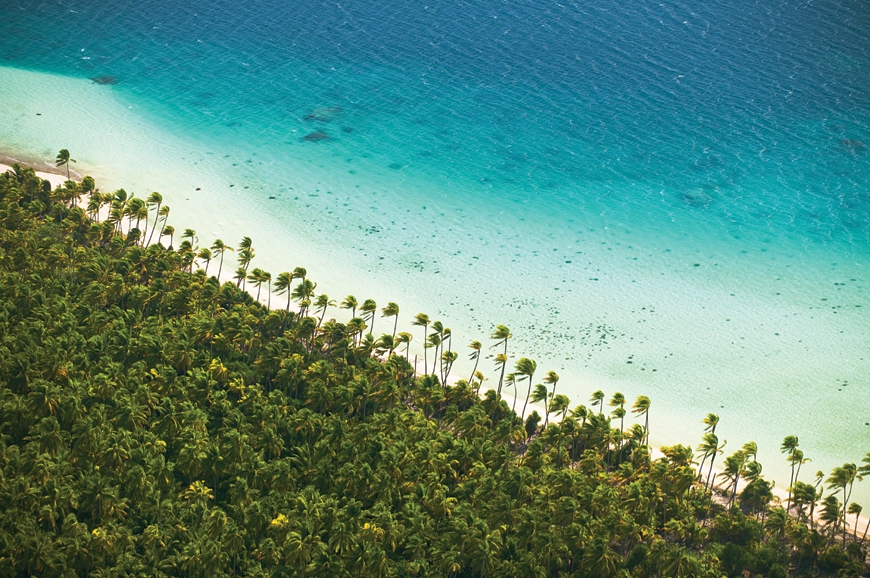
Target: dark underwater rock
x=108, y=79
x=316, y=136
x=323, y=114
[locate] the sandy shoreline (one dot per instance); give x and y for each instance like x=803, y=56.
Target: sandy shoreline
x=55, y=178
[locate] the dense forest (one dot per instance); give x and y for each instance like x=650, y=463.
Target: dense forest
x=157, y=422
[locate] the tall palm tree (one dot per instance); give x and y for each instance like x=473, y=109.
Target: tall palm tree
x=392, y=310
x=618, y=401
x=370, y=308
x=789, y=445
x=710, y=422
x=63, y=158
x=351, y=303
x=598, y=398
x=552, y=378
x=282, y=284
x=525, y=366
x=710, y=476
x=842, y=477
x=474, y=356
x=500, y=361
x=501, y=334
x=422, y=320
x=169, y=230
x=155, y=199
x=641, y=408
x=205, y=254
x=246, y=255
x=164, y=212
x=405, y=337
x=266, y=277
x=321, y=304
x=219, y=248
x=709, y=444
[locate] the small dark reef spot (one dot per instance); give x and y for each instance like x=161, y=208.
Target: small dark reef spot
x=108, y=79
x=323, y=114
x=316, y=136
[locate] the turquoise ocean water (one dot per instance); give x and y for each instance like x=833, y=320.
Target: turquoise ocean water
x=661, y=198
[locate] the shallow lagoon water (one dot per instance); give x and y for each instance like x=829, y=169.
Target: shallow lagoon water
x=670, y=200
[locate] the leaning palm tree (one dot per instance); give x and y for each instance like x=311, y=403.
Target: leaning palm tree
x=168, y=230
x=321, y=304
x=370, y=308
x=219, y=248
x=405, y=337
x=500, y=361
x=552, y=378
x=392, y=310
x=525, y=366
x=155, y=199
x=475, y=356
x=843, y=477
x=255, y=277
x=205, y=254
x=63, y=158
x=164, y=212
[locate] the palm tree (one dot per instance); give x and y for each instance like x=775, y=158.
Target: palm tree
x=618, y=401
x=321, y=304
x=856, y=510
x=370, y=308
x=843, y=477
x=710, y=422
x=641, y=408
x=598, y=397
x=266, y=277
x=422, y=320
x=164, y=212
x=246, y=255
x=155, y=199
x=351, y=303
x=525, y=366
x=789, y=445
x=715, y=451
x=709, y=444
x=474, y=356
x=168, y=230
x=219, y=248
x=63, y=158
x=540, y=393
x=392, y=310
x=501, y=334
x=500, y=361
x=282, y=284
x=552, y=378
x=204, y=254
x=405, y=337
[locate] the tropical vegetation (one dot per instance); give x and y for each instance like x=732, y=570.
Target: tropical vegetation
x=155, y=421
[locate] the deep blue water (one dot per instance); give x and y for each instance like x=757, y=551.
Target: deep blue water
x=750, y=117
